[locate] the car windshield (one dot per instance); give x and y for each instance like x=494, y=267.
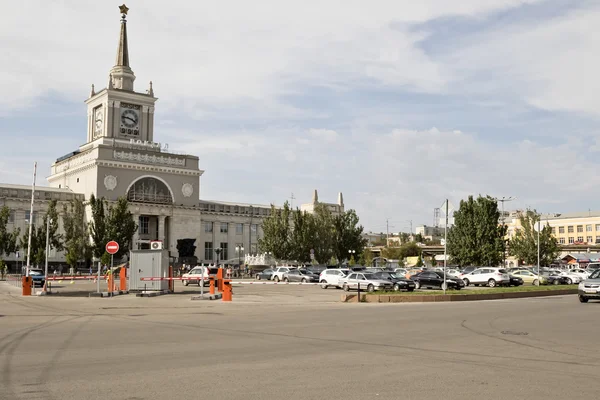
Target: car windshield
x=36, y=272
x=502, y=271
x=595, y=274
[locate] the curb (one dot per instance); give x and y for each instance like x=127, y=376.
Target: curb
x=216, y=296
x=384, y=298
x=152, y=294
x=109, y=294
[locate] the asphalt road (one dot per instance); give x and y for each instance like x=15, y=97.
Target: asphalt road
x=285, y=345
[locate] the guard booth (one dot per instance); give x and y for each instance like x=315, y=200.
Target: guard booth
x=146, y=264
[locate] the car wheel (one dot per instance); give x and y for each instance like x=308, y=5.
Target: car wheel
x=456, y=288
x=257, y=277
x=476, y=284
x=466, y=282
x=556, y=282
x=410, y=290
x=200, y=282
x=417, y=285
x=304, y=280
x=286, y=280
x=370, y=288
x=535, y=282
x=276, y=279
x=185, y=283
x=345, y=287
x=569, y=281
x=324, y=284
x=444, y=286
x=583, y=299
x=492, y=283
x=396, y=288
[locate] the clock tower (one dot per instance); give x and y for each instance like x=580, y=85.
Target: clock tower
x=118, y=111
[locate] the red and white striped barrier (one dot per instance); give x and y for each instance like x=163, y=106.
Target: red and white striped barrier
x=172, y=279
x=72, y=278
x=274, y=283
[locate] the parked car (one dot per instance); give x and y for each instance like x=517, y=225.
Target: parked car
x=571, y=277
x=399, y=281
x=333, y=277
x=590, y=288
x=468, y=270
x=267, y=274
x=580, y=272
x=434, y=279
x=486, y=276
x=317, y=269
x=197, y=275
x=513, y=281
x=530, y=277
x=279, y=271
x=366, y=282
x=297, y=275
x=554, y=279
x=401, y=271
x=37, y=277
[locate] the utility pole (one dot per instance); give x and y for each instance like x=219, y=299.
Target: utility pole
x=445, y=246
x=503, y=200
x=387, y=228
x=292, y=198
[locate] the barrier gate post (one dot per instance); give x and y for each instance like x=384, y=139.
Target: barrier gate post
x=26, y=283
x=220, y=280
x=227, y=290
x=123, y=279
x=171, y=281
x=211, y=280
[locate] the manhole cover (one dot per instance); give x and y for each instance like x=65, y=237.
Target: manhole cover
x=514, y=333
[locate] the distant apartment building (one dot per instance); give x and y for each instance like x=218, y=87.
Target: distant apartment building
x=430, y=232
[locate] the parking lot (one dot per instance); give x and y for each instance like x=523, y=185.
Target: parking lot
x=295, y=343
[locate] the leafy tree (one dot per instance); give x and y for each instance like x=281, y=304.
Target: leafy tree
x=404, y=237
x=324, y=233
x=121, y=226
x=410, y=249
x=394, y=253
x=366, y=257
x=76, y=232
x=98, y=226
x=419, y=263
x=8, y=240
x=476, y=237
x=301, y=235
x=276, y=233
x=524, y=245
x=419, y=238
x=347, y=235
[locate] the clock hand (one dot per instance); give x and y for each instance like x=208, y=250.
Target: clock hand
x=131, y=119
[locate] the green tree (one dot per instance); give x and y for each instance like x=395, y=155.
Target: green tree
x=120, y=226
x=366, y=257
x=98, y=226
x=393, y=253
x=276, y=233
x=419, y=238
x=410, y=249
x=347, y=235
x=476, y=237
x=419, y=263
x=37, y=245
x=524, y=245
x=324, y=234
x=8, y=239
x=404, y=237
x=76, y=239
x=301, y=236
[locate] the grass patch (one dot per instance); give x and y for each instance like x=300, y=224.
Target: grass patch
x=517, y=289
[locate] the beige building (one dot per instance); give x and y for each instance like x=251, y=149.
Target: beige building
x=335, y=208
x=120, y=156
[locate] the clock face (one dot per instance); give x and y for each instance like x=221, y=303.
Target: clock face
x=98, y=121
x=130, y=122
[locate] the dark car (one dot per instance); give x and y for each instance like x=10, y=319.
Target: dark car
x=37, y=277
x=558, y=279
x=514, y=281
x=267, y=274
x=300, y=275
x=316, y=269
x=399, y=281
x=434, y=279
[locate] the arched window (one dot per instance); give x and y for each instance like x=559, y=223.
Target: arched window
x=149, y=190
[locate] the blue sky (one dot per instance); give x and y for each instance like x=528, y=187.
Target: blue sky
x=398, y=105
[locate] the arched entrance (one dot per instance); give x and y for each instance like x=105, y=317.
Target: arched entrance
x=149, y=189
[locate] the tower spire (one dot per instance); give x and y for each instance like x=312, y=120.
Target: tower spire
x=122, y=75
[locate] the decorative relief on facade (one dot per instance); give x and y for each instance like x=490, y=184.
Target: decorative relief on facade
x=148, y=158
x=110, y=182
x=187, y=190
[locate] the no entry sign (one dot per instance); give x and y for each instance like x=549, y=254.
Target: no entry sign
x=112, y=247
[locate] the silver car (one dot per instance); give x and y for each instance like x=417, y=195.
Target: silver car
x=366, y=282
x=590, y=288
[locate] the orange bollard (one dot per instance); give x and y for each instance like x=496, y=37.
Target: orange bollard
x=123, y=279
x=227, y=293
x=220, y=280
x=26, y=284
x=211, y=280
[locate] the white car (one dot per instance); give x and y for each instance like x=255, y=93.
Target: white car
x=333, y=277
x=195, y=276
x=580, y=272
x=279, y=271
x=574, y=278
x=486, y=276
x=365, y=281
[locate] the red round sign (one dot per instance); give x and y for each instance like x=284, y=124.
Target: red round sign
x=112, y=247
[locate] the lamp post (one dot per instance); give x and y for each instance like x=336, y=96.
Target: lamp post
x=239, y=250
x=351, y=255
x=218, y=252
x=502, y=200
x=538, y=249
x=48, y=222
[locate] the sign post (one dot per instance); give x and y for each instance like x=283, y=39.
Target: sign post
x=112, y=248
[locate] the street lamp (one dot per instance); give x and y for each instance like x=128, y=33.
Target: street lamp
x=239, y=250
x=351, y=254
x=218, y=251
x=502, y=200
x=48, y=222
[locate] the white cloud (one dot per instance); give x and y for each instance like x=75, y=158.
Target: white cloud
x=326, y=135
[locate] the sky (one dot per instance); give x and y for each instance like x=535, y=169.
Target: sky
x=397, y=104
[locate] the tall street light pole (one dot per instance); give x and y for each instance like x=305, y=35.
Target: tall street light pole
x=239, y=250
x=503, y=200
